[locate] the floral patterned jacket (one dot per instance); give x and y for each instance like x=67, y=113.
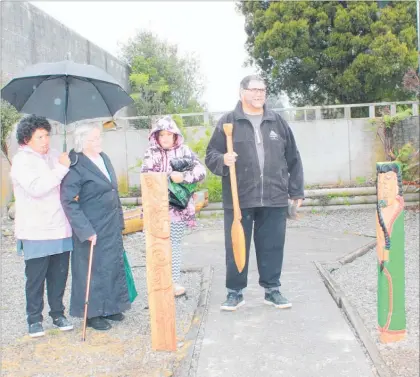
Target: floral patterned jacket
x=157, y=159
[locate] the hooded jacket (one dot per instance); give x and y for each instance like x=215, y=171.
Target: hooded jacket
x=36, y=182
x=157, y=159
x=282, y=175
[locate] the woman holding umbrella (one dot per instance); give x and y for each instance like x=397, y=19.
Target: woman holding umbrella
x=89, y=195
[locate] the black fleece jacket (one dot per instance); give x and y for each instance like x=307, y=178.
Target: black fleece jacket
x=282, y=176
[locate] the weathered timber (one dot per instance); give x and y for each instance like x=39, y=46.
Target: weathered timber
x=158, y=260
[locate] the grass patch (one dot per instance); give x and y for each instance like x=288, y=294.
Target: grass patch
x=53, y=332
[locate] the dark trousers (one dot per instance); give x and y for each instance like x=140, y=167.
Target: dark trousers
x=54, y=269
x=269, y=225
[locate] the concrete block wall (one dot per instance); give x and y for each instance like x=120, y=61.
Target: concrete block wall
x=406, y=131
x=332, y=151
x=29, y=36
x=335, y=151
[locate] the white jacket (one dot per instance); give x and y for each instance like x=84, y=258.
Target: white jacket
x=36, y=182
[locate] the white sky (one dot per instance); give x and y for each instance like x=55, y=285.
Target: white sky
x=213, y=30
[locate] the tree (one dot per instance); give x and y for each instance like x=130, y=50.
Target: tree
x=332, y=52
x=8, y=118
x=411, y=82
x=162, y=82
x=276, y=101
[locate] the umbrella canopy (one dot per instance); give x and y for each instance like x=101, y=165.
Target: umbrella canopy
x=66, y=92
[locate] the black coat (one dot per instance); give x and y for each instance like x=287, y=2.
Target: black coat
x=282, y=176
x=92, y=205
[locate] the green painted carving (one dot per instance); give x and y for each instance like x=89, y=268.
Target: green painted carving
x=390, y=252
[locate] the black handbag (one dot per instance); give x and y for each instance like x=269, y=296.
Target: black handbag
x=182, y=164
x=180, y=193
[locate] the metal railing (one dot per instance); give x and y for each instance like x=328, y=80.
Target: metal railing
x=307, y=113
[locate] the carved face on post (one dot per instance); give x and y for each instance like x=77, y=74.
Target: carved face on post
x=387, y=188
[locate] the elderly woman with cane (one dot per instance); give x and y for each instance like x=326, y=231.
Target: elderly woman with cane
x=41, y=227
x=89, y=195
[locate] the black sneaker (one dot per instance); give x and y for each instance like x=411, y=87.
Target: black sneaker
x=275, y=298
x=114, y=317
x=98, y=323
x=234, y=301
x=36, y=330
x=62, y=323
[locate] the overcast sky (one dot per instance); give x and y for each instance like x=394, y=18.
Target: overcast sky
x=213, y=30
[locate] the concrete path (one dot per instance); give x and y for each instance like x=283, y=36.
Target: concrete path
x=309, y=340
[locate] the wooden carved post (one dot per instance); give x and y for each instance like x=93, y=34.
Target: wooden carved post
x=154, y=187
x=390, y=252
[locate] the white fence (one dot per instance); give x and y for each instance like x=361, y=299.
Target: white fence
x=307, y=114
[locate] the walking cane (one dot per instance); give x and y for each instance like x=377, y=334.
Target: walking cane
x=89, y=274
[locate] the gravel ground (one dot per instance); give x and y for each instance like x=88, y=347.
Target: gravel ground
x=357, y=221
x=123, y=351
x=358, y=281
x=127, y=346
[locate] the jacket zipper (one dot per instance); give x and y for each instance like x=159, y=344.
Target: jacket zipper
x=164, y=161
x=262, y=189
x=257, y=139
x=262, y=171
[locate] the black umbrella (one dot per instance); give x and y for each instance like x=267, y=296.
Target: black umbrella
x=66, y=92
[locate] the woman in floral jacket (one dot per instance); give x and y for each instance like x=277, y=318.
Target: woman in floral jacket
x=165, y=144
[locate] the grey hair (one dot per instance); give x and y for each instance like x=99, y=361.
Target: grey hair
x=247, y=79
x=81, y=133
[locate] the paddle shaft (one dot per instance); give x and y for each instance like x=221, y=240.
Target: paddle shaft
x=233, y=182
x=238, y=236
x=89, y=275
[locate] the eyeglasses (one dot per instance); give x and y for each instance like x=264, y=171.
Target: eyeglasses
x=257, y=90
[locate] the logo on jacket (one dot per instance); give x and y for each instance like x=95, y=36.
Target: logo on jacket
x=273, y=135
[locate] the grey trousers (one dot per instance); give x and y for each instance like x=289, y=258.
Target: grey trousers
x=177, y=233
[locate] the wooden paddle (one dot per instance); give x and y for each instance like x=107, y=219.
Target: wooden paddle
x=238, y=236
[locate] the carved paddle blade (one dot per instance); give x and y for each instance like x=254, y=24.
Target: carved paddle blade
x=238, y=244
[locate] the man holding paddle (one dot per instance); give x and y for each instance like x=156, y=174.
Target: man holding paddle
x=255, y=152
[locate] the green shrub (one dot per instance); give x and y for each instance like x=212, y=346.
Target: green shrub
x=408, y=157
x=180, y=123
x=392, y=120
x=8, y=118
x=122, y=181
x=212, y=182
x=383, y=128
